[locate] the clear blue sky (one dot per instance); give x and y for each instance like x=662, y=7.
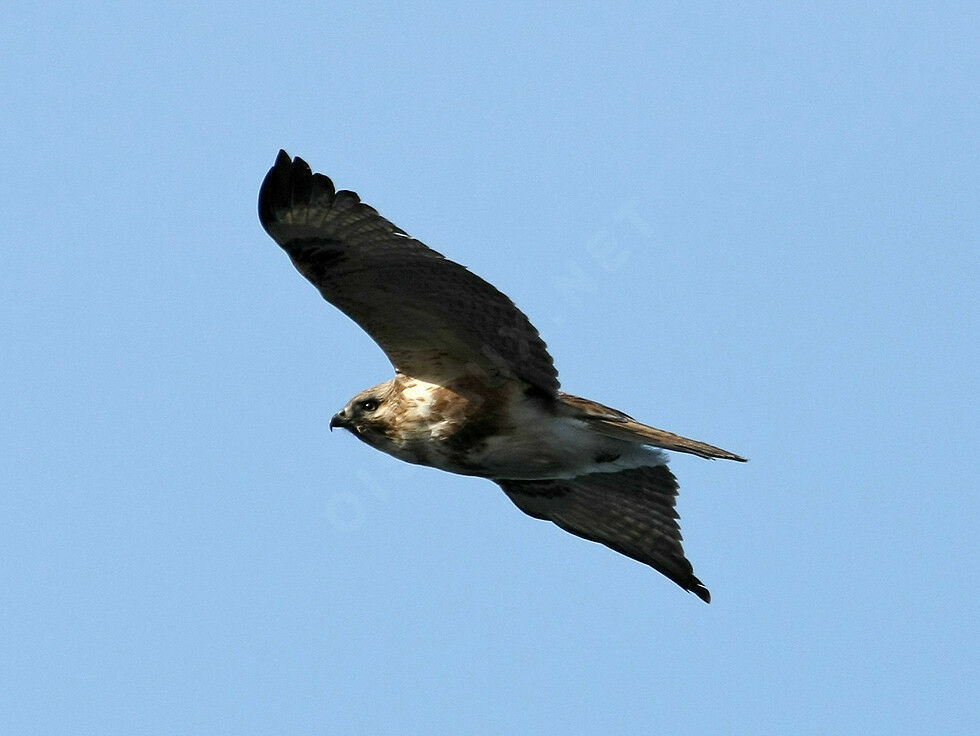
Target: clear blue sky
x=756, y=225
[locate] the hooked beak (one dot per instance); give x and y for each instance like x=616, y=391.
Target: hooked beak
x=338, y=420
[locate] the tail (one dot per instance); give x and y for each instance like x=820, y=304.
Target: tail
x=618, y=425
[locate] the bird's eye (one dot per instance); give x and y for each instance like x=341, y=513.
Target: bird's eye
x=368, y=405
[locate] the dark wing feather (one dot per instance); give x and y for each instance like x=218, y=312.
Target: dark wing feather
x=630, y=511
x=433, y=318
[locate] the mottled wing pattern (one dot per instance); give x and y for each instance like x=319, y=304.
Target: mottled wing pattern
x=630, y=511
x=433, y=318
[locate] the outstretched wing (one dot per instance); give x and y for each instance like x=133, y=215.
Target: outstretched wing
x=630, y=511
x=433, y=318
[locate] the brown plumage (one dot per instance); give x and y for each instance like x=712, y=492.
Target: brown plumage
x=622, y=426
x=475, y=391
x=631, y=511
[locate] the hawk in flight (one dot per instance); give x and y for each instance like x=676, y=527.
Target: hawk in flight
x=475, y=391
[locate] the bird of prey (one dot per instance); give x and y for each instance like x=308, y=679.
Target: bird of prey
x=475, y=391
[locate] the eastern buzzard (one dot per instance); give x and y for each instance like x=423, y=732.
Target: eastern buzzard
x=475, y=391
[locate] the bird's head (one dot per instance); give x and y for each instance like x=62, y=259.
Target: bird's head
x=368, y=415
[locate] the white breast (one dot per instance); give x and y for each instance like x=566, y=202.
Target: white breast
x=533, y=443
x=545, y=446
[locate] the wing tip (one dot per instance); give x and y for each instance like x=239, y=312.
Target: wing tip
x=276, y=190
x=697, y=587
x=291, y=183
x=682, y=573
